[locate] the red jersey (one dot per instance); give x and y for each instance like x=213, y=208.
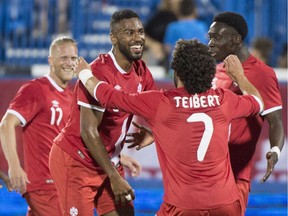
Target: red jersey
x=191, y=137
x=245, y=132
x=43, y=108
x=115, y=123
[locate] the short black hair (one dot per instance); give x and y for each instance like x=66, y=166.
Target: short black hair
x=194, y=65
x=120, y=15
x=233, y=20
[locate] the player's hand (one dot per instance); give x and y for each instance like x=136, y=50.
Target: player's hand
x=122, y=190
x=18, y=179
x=272, y=159
x=141, y=138
x=131, y=164
x=81, y=65
x=6, y=180
x=233, y=67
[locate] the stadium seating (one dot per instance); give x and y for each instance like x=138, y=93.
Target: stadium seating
x=88, y=23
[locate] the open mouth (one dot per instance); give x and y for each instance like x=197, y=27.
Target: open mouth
x=136, y=48
x=68, y=70
x=212, y=52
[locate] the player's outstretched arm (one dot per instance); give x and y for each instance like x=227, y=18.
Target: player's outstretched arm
x=84, y=73
x=235, y=71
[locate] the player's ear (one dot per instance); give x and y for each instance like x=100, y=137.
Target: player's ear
x=237, y=39
x=113, y=39
x=49, y=60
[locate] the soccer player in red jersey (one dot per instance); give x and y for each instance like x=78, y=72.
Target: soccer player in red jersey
x=226, y=36
x=41, y=107
x=84, y=160
x=190, y=125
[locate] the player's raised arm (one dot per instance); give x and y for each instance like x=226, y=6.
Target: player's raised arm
x=235, y=71
x=84, y=73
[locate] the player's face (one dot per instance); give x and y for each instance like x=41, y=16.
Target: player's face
x=63, y=61
x=130, y=38
x=221, y=39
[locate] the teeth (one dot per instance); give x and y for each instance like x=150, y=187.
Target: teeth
x=136, y=46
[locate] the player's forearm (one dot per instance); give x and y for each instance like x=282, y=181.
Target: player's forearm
x=247, y=88
x=8, y=142
x=276, y=137
x=99, y=153
x=235, y=70
x=276, y=129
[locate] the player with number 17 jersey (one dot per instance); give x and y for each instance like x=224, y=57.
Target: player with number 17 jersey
x=191, y=136
x=43, y=108
x=115, y=123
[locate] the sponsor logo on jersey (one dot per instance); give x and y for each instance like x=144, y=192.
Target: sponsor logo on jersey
x=55, y=103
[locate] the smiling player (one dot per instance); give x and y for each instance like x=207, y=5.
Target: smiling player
x=94, y=153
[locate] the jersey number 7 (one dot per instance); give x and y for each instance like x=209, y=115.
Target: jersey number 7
x=205, y=140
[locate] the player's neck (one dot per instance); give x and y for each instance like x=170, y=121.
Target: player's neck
x=122, y=61
x=242, y=53
x=59, y=82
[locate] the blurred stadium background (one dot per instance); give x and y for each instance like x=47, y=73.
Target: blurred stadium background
x=27, y=28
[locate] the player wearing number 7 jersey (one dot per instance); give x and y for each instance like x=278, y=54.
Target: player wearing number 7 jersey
x=190, y=125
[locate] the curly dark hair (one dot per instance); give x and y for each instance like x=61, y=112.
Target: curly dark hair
x=194, y=65
x=120, y=15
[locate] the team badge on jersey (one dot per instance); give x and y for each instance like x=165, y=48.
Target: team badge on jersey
x=214, y=81
x=73, y=211
x=139, y=88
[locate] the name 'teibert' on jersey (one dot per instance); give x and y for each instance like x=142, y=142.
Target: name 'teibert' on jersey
x=197, y=102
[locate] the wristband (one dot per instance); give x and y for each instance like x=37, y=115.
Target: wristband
x=84, y=75
x=277, y=150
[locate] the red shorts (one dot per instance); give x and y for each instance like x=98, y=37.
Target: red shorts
x=43, y=202
x=244, y=189
x=81, y=189
x=233, y=209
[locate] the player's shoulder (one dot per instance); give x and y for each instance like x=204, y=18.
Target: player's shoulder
x=36, y=83
x=220, y=93
x=33, y=88
x=101, y=65
x=257, y=65
x=101, y=61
